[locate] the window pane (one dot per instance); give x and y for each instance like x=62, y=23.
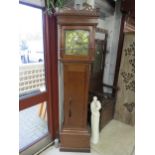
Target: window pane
x=31, y=79
x=31, y=51
x=32, y=124
x=76, y=42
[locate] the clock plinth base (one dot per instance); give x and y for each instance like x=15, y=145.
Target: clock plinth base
x=76, y=140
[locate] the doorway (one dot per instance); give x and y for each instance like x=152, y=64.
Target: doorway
x=37, y=109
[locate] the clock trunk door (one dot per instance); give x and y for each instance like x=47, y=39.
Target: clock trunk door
x=75, y=101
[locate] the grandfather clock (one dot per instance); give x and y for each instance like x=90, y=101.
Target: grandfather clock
x=77, y=46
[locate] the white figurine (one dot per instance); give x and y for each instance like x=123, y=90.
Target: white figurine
x=95, y=107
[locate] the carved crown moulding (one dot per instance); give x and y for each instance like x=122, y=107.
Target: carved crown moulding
x=73, y=16
x=86, y=11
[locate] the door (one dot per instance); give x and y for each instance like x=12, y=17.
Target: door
x=38, y=105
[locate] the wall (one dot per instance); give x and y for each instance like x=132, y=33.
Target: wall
x=60, y=85
x=107, y=24
x=113, y=24
x=61, y=96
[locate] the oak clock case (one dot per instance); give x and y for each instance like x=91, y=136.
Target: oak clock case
x=77, y=46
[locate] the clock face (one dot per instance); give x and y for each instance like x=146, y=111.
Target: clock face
x=77, y=42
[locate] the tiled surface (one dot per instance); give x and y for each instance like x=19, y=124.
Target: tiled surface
x=55, y=151
x=31, y=126
x=115, y=139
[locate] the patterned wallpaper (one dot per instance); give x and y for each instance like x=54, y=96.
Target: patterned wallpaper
x=129, y=75
x=125, y=101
